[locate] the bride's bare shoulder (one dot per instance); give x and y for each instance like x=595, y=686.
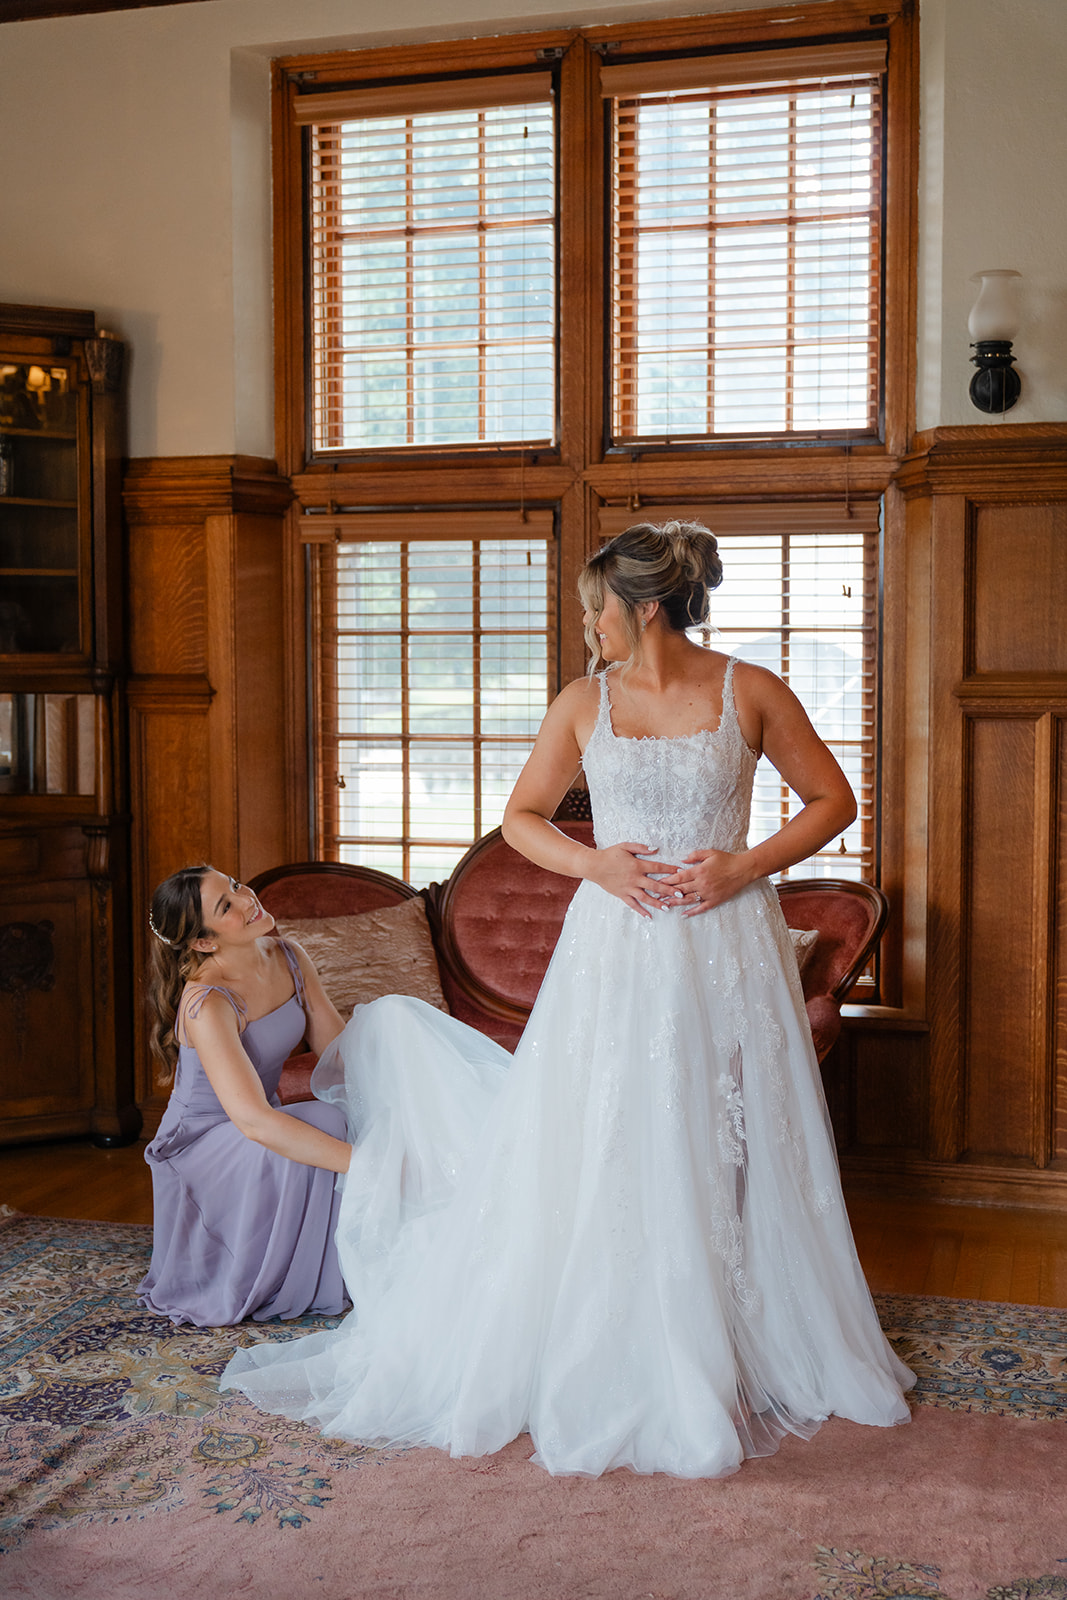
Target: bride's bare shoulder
x=576, y=697
x=758, y=684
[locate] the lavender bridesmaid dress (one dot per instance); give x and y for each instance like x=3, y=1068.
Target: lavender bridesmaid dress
x=240, y=1231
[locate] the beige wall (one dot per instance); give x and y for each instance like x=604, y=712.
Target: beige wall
x=993, y=151
x=141, y=187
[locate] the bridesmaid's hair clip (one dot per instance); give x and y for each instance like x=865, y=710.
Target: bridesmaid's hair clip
x=162, y=937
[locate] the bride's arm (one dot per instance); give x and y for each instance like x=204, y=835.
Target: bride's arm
x=554, y=763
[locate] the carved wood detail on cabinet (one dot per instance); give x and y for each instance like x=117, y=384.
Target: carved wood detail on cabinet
x=208, y=719
x=46, y=1006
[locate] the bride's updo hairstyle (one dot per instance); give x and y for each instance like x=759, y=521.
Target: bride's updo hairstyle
x=676, y=563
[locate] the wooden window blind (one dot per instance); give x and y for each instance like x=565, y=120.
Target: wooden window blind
x=433, y=264
x=747, y=245
x=799, y=595
x=432, y=644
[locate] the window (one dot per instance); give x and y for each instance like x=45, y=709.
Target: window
x=433, y=678
x=746, y=244
x=541, y=286
x=433, y=266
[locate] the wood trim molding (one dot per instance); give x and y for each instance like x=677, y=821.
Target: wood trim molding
x=988, y=463
x=320, y=69
x=1023, y=694
x=961, y=1180
x=170, y=691
x=712, y=474
x=57, y=321
x=184, y=489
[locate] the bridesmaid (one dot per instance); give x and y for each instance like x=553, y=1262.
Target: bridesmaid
x=245, y=1197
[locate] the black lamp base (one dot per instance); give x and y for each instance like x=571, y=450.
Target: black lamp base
x=996, y=385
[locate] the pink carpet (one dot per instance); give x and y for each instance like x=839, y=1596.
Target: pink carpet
x=124, y=1475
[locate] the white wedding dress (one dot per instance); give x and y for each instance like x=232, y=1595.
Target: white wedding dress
x=628, y=1240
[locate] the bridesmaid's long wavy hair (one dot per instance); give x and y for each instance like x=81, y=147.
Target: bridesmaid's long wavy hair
x=176, y=921
x=676, y=563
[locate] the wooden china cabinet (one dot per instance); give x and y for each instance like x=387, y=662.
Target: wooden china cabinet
x=65, y=1004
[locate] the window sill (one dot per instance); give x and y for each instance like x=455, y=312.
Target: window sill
x=891, y=1019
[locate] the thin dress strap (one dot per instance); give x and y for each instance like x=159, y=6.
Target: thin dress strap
x=604, y=713
x=729, y=710
x=293, y=963
x=602, y=725
x=189, y=1009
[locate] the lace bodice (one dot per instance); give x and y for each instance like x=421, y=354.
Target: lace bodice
x=693, y=792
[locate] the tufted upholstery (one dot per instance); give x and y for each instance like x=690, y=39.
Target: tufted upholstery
x=500, y=917
x=495, y=923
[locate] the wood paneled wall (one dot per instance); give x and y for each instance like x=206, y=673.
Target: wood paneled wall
x=980, y=1108
x=216, y=751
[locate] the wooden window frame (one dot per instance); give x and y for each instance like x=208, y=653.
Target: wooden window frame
x=581, y=474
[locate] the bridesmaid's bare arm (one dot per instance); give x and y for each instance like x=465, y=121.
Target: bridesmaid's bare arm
x=214, y=1035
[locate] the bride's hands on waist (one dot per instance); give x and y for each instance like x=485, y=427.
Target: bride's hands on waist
x=620, y=870
x=707, y=878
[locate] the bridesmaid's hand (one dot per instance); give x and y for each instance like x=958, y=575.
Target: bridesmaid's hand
x=707, y=878
x=618, y=870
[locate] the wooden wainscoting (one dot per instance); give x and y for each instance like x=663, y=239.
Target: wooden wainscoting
x=984, y=912
x=217, y=768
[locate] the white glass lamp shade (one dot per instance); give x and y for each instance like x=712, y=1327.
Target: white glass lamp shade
x=995, y=313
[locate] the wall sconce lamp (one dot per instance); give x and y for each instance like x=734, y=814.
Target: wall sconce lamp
x=993, y=321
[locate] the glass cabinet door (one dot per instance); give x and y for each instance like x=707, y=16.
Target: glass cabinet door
x=41, y=607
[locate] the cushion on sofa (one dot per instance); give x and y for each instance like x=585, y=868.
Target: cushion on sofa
x=804, y=942
x=361, y=957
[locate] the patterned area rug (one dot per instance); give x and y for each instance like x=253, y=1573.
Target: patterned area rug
x=120, y=1408
x=111, y=1416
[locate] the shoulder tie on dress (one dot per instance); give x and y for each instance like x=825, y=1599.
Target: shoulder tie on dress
x=189, y=1008
x=292, y=961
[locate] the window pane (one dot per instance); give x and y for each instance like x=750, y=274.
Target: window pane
x=441, y=685
x=514, y=671
x=501, y=765
x=368, y=677
x=371, y=802
x=442, y=792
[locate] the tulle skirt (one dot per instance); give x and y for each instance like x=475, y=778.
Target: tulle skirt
x=628, y=1241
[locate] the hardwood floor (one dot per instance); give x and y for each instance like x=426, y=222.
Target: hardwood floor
x=963, y=1251
x=74, y=1179
x=906, y=1246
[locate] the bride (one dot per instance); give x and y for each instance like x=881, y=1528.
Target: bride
x=628, y=1241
